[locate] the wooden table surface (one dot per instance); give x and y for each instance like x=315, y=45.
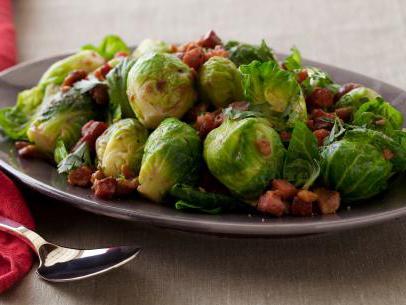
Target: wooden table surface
x=363, y=266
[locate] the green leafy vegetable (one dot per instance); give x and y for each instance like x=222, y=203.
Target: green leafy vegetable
x=380, y=115
x=152, y=46
x=293, y=61
x=109, y=46
x=317, y=79
x=243, y=54
x=183, y=205
x=14, y=121
x=76, y=159
x=275, y=93
x=302, y=158
x=61, y=152
x=60, y=117
x=119, y=106
x=192, y=198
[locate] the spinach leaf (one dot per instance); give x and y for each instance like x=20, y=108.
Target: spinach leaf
x=119, y=106
x=183, y=205
x=109, y=46
x=243, y=53
x=293, y=61
x=193, y=198
x=77, y=158
x=301, y=165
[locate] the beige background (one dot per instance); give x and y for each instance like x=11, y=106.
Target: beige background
x=365, y=266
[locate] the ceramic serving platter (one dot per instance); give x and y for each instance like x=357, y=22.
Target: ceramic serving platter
x=44, y=178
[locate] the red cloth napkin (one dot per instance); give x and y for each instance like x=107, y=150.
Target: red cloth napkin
x=15, y=256
x=8, y=51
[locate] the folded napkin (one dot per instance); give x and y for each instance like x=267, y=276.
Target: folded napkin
x=15, y=256
x=8, y=50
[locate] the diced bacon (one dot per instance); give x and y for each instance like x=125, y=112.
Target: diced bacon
x=284, y=189
x=105, y=188
x=210, y=40
x=344, y=113
x=302, y=76
x=328, y=201
x=80, y=176
x=90, y=132
x=320, y=97
x=194, y=58
x=271, y=203
x=320, y=135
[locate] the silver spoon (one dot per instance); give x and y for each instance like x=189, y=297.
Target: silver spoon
x=59, y=264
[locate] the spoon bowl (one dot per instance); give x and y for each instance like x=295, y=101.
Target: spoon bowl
x=60, y=264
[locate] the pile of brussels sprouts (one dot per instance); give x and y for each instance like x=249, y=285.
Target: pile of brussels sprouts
x=209, y=127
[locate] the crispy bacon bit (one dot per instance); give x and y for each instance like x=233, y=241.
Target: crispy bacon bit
x=271, y=203
x=380, y=122
x=285, y=135
x=127, y=171
x=97, y=175
x=284, y=189
x=241, y=105
x=328, y=201
x=207, y=122
x=263, y=146
x=105, y=188
x=307, y=196
x=302, y=76
x=217, y=51
x=100, y=94
x=121, y=54
x=388, y=154
x=21, y=144
x=301, y=208
x=310, y=124
x=344, y=113
x=126, y=186
x=80, y=176
x=210, y=40
x=195, y=111
x=30, y=151
x=320, y=98
x=72, y=78
x=320, y=135
x=322, y=119
x=101, y=72
x=90, y=132
x=344, y=89
x=194, y=58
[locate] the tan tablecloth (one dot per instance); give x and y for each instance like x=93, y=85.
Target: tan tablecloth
x=365, y=266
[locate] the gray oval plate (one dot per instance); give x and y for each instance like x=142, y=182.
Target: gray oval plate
x=44, y=178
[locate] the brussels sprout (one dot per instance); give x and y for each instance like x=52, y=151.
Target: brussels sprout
x=14, y=121
x=220, y=82
x=119, y=106
x=380, y=115
x=109, y=46
x=357, y=169
x=243, y=54
x=122, y=144
x=149, y=46
x=85, y=60
x=244, y=155
x=274, y=92
x=60, y=117
x=317, y=79
x=356, y=97
x=160, y=85
x=172, y=155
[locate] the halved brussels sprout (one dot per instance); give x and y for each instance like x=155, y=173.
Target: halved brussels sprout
x=159, y=86
x=356, y=97
x=85, y=60
x=355, y=168
x=172, y=155
x=220, y=82
x=60, y=117
x=121, y=145
x=243, y=53
x=244, y=155
x=275, y=93
x=149, y=45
